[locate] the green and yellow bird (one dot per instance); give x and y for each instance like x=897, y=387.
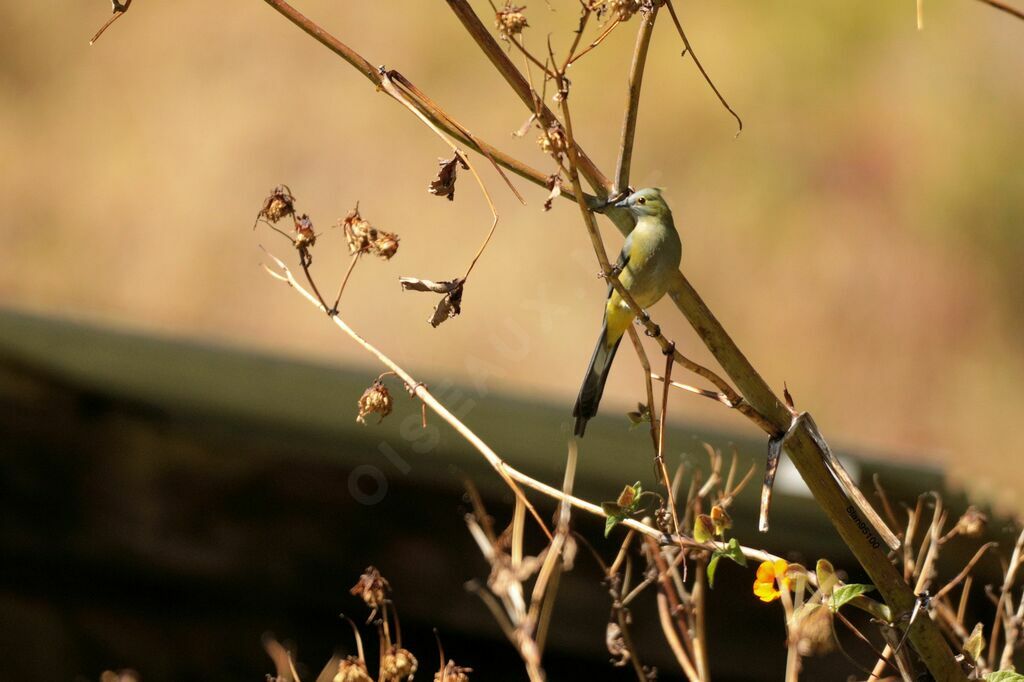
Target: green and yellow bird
x=648, y=262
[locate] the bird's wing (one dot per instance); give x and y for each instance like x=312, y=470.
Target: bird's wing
x=623, y=259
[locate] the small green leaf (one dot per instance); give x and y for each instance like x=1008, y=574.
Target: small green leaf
x=975, y=644
x=1004, y=676
x=703, y=528
x=712, y=567
x=611, y=522
x=842, y=595
x=733, y=551
x=641, y=416
x=826, y=576
x=612, y=509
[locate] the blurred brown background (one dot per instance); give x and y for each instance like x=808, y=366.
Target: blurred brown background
x=862, y=239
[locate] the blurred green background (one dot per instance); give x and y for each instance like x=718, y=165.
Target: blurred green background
x=862, y=239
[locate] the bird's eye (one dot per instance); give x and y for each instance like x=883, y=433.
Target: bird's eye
x=641, y=200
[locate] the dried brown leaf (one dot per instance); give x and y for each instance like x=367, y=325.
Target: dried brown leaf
x=554, y=183
x=616, y=644
x=444, y=184
x=416, y=284
x=449, y=306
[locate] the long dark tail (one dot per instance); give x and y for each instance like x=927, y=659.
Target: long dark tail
x=593, y=382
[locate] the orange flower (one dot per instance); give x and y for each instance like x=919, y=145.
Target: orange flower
x=768, y=574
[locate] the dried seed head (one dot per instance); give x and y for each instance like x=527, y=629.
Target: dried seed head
x=375, y=399
x=372, y=587
x=305, y=236
x=623, y=9
x=663, y=519
x=278, y=204
x=398, y=664
x=352, y=670
x=362, y=237
x=385, y=245
x=553, y=141
x=452, y=673
x=358, y=233
x=510, y=21
x=972, y=523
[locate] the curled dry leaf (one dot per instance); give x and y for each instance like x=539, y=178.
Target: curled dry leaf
x=444, y=184
x=553, y=183
x=616, y=644
x=788, y=396
x=449, y=306
x=525, y=128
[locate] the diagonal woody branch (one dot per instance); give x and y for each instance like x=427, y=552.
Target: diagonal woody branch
x=636, y=79
x=514, y=77
x=422, y=104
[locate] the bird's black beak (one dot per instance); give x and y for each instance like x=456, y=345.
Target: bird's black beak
x=619, y=200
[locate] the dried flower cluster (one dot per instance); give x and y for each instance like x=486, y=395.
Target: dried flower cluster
x=362, y=237
x=352, y=669
x=623, y=10
x=305, y=235
x=510, y=21
x=554, y=142
x=375, y=400
x=278, y=204
x=398, y=664
x=372, y=587
x=452, y=673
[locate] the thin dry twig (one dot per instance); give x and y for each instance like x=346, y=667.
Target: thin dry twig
x=120, y=8
x=512, y=476
x=696, y=61
x=1004, y=7
x=636, y=78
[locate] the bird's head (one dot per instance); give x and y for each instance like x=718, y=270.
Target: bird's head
x=645, y=202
